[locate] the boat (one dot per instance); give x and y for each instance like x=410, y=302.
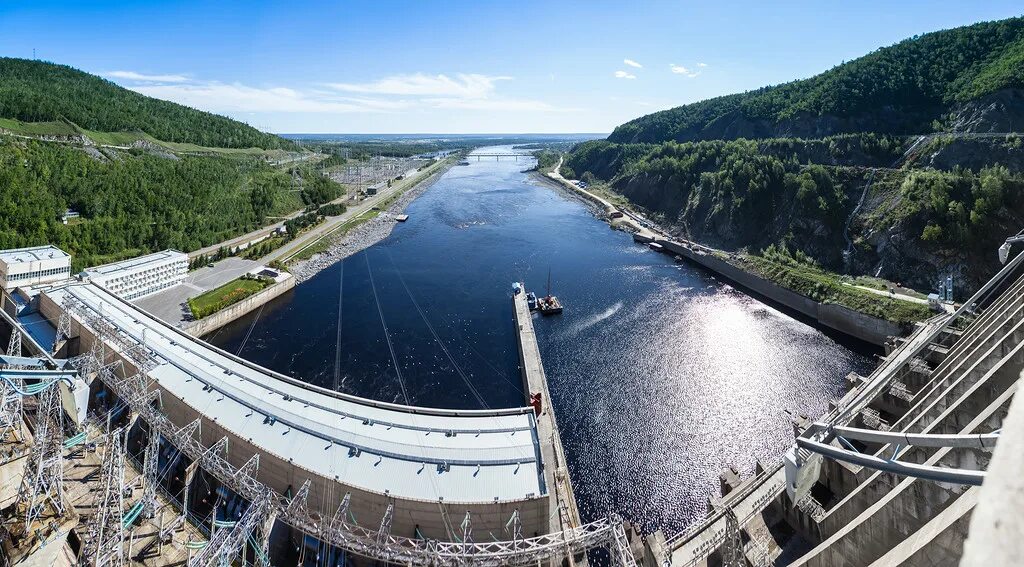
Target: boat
x=655, y=246
x=401, y=218
x=531, y=301
x=549, y=304
x=464, y=162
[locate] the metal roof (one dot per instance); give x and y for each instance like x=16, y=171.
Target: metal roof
x=413, y=453
x=117, y=268
x=32, y=254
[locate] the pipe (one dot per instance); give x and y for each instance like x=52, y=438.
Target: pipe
x=937, y=474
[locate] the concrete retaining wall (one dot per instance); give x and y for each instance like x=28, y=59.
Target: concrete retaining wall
x=837, y=317
x=230, y=313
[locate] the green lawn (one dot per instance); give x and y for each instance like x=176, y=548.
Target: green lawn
x=826, y=287
x=225, y=295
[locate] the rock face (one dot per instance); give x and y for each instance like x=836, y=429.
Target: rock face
x=1001, y=111
x=977, y=152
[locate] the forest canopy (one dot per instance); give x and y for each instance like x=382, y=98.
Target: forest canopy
x=918, y=78
x=37, y=91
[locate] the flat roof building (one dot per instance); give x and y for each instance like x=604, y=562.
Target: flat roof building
x=33, y=266
x=142, y=276
x=429, y=463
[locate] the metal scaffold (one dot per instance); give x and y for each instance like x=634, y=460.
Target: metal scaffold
x=14, y=346
x=336, y=531
x=106, y=544
x=43, y=482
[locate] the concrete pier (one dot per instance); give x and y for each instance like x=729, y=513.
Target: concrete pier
x=563, y=511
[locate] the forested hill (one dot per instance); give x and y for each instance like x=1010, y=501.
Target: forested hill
x=37, y=91
x=901, y=89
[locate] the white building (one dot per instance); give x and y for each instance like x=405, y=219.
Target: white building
x=139, y=277
x=33, y=266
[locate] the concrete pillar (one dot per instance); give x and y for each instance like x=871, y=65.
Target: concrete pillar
x=655, y=552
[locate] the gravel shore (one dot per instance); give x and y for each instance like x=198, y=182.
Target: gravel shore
x=361, y=237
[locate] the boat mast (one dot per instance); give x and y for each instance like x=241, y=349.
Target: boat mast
x=549, y=282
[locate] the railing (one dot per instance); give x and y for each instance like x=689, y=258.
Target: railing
x=373, y=544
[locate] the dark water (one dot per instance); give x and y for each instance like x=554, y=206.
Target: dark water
x=661, y=376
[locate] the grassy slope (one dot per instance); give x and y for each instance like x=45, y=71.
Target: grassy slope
x=826, y=287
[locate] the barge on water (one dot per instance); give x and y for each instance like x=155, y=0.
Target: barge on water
x=547, y=305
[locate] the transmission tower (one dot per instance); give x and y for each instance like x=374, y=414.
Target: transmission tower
x=14, y=347
x=10, y=404
x=106, y=534
x=43, y=481
x=150, y=473
x=63, y=328
x=226, y=544
x=621, y=553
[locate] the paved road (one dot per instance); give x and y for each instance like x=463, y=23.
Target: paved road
x=630, y=220
x=249, y=237
x=314, y=234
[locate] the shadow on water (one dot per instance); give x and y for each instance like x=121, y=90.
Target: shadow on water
x=661, y=376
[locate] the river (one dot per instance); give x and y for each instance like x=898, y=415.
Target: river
x=660, y=375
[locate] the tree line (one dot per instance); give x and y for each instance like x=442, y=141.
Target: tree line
x=137, y=202
x=38, y=91
x=918, y=78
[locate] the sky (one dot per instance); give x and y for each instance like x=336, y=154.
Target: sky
x=461, y=67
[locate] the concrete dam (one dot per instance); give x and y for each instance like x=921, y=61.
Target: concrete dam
x=125, y=440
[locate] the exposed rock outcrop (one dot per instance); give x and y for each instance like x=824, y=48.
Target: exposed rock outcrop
x=999, y=112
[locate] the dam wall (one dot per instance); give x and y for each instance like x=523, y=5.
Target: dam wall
x=837, y=317
x=412, y=517
x=563, y=511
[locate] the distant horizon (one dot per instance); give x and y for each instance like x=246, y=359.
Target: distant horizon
x=456, y=134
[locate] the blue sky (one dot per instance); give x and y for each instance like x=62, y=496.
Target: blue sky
x=458, y=67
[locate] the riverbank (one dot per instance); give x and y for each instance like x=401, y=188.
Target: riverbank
x=862, y=314
x=363, y=230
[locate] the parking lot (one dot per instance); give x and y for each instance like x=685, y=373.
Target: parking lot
x=171, y=304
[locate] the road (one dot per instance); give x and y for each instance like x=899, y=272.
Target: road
x=267, y=230
x=311, y=236
x=901, y=296
x=629, y=220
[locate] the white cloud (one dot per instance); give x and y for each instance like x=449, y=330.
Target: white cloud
x=624, y=75
x=236, y=97
x=702, y=64
x=388, y=95
x=680, y=70
x=133, y=76
x=463, y=85
x=492, y=104
x=632, y=63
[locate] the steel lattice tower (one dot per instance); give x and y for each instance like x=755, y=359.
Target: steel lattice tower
x=43, y=481
x=106, y=534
